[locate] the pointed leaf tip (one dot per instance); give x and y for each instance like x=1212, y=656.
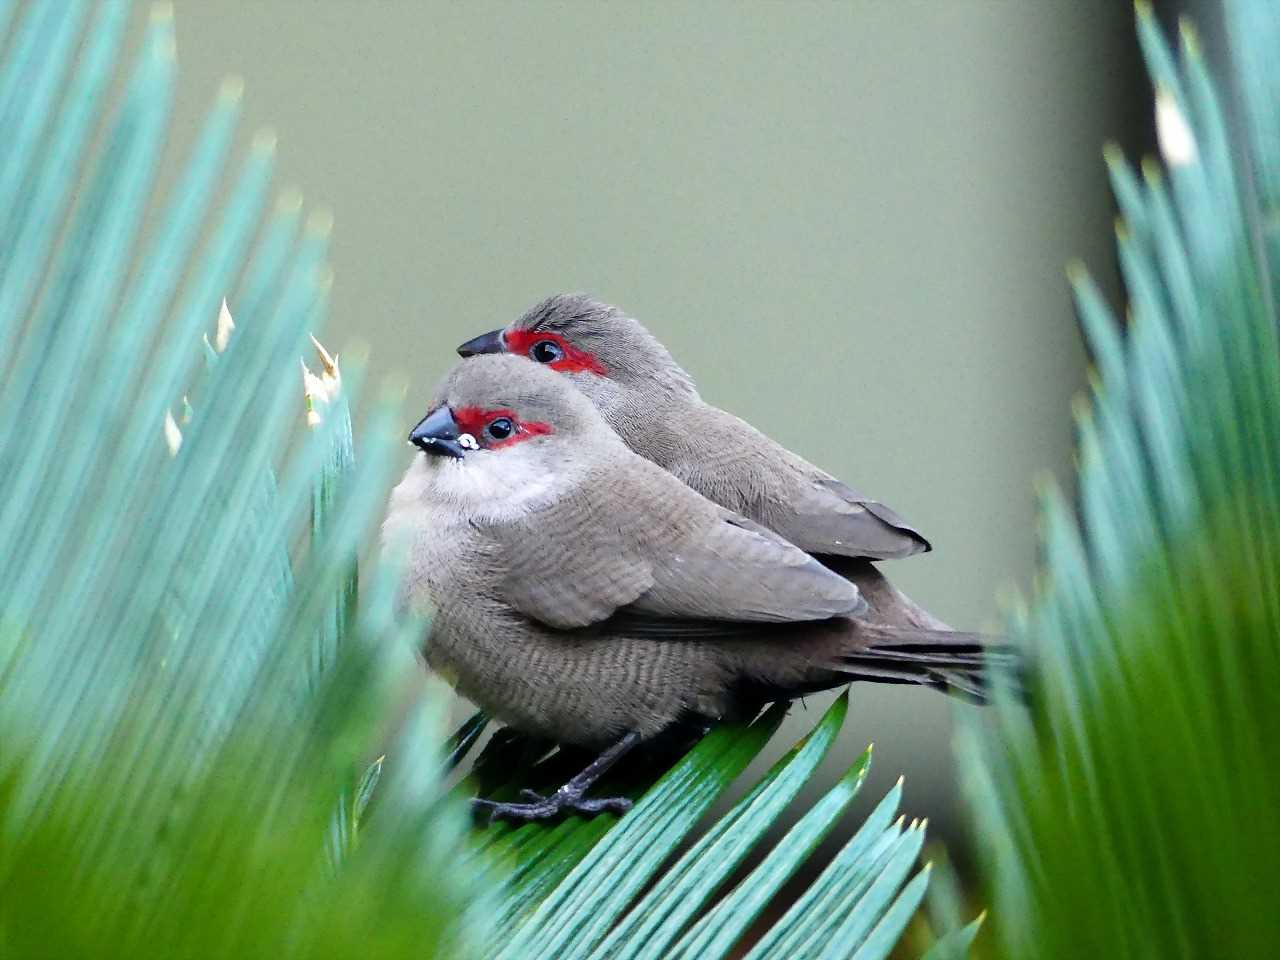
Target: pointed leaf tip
x=1190, y=37
x=264, y=141
x=172, y=434
x=320, y=222
x=330, y=363
x=1081, y=409
x=290, y=200
x=232, y=88
x=1044, y=483
x=1173, y=133
x=226, y=326
x=331, y=375
x=320, y=391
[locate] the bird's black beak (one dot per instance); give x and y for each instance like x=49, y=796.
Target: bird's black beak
x=437, y=434
x=490, y=342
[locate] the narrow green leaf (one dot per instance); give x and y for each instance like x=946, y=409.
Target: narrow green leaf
x=862, y=914
x=955, y=945
x=465, y=737
x=658, y=920
x=848, y=873
x=716, y=933
x=24, y=124
x=622, y=863
x=885, y=934
x=364, y=790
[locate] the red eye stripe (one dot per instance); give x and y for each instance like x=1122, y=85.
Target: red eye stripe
x=473, y=420
x=573, y=361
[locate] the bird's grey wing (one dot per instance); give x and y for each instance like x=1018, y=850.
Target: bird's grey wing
x=830, y=517
x=736, y=570
x=637, y=537
x=734, y=464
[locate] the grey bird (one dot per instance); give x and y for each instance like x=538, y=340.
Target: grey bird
x=654, y=406
x=583, y=594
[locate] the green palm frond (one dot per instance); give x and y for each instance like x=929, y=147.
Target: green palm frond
x=577, y=891
x=1132, y=813
x=187, y=699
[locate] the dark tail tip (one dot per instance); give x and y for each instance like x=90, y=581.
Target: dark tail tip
x=966, y=665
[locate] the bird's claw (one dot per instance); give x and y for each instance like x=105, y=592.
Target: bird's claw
x=618, y=805
x=544, y=808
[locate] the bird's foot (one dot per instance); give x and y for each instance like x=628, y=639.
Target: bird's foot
x=539, y=807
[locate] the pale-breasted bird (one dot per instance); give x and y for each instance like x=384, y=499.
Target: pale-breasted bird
x=583, y=594
x=654, y=406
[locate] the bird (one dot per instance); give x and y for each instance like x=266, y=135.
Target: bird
x=580, y=593
x=653, y=404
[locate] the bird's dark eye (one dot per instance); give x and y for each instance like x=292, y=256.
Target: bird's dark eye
x=546, y=351
x=501, y=428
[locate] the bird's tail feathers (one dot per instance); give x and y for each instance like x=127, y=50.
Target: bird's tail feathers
x=965, y=664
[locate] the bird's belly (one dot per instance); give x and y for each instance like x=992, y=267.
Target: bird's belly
x=572, y=688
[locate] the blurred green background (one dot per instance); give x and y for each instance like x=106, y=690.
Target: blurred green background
x=848, y=221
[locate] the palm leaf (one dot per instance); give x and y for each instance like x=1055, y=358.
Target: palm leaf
x=588, y=888
x=170, y=774
x=1129, y=813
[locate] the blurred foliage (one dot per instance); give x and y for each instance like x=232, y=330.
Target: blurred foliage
x=189, y=696
x=1132, y=812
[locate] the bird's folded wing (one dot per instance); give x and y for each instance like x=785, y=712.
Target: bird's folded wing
x=735, y=569
x=637, y=538
x=831, y=518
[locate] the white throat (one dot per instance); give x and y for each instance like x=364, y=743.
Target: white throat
x=488, y=486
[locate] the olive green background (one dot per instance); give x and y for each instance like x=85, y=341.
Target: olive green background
x=849, y=221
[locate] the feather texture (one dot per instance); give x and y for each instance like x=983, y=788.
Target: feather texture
x=621, y=600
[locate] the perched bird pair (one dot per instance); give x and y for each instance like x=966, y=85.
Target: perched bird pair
x=606, y=556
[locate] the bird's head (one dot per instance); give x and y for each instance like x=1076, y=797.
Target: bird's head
x=503, y=431
x=607, y=355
